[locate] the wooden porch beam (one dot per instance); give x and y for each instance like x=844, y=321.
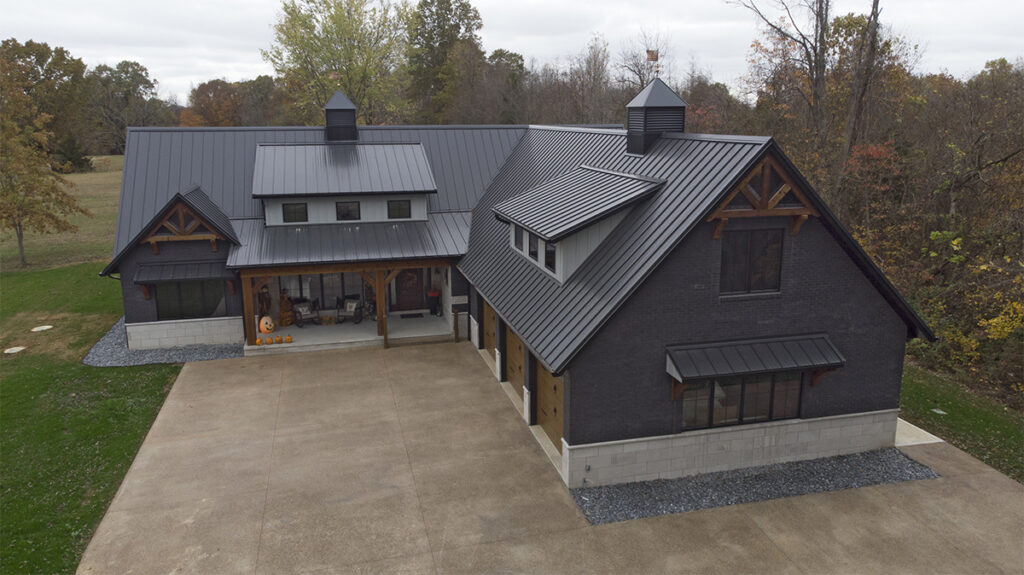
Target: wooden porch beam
x=248, y=311
x=382, y=301
x=345, y=267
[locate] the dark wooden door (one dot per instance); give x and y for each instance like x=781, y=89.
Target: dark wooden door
x=409, y=290
x=490, y=328
x=514, y=360
x=550, y=404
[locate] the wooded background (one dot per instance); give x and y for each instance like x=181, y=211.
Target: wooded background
x=926, y=170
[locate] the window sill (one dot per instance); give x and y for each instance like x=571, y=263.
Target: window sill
x=749, y=296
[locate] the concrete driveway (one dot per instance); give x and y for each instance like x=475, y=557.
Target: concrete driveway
x=412, y=459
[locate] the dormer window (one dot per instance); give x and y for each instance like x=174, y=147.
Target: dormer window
x=399, y=209
x=346, y=211
x=533, y=246
x=517, y=237
x=550, y=256
x=294, y=213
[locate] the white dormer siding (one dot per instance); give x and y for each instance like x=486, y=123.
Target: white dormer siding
x=322, y=209
x=570, y=251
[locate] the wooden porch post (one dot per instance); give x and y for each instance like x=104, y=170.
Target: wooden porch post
x=382, y=318
x=247, y=311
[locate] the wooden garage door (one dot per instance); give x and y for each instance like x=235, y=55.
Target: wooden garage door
x=550, y=402
x=490, y=323
x=514, y=360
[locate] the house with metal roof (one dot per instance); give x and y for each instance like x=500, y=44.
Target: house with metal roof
x=656, y=303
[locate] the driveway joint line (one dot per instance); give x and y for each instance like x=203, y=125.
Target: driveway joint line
x=270, y=463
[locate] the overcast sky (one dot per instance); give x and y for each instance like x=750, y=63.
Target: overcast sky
x=186, y=42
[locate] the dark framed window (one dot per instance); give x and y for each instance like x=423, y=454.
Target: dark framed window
x=550, y=251
x=517, y=237
x=751, y=261
x=737, y=400
x=294, y=213
x=533, y=247
x=190, y=300
x=346, y=211
x=399, y=209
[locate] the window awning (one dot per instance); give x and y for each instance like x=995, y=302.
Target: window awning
x=190, y=271
x=752, y=356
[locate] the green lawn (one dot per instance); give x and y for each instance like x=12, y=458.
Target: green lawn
x=98, y=192
x=68, y=432
x=978, y=425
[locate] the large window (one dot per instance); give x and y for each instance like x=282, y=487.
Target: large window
x=549, y=256
x=736, y=400
x=399, y=209
x=190, y=300
x=294, y=213
x=346, y=211
x=751, y=261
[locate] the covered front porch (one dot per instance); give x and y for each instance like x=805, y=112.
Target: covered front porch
x=331, y=306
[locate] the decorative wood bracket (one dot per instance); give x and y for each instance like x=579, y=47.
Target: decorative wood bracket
x=678, y=388
x=817, y=374
x=760, y=194
x=230, y=286
x=181, y=224
x=145, y=291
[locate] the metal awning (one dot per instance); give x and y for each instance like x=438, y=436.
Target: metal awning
x=752, y=356
x=574, y=200
x=190, y=271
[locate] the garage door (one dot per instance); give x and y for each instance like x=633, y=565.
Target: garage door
x=550, y=403
x=514, y=360
x=490, y=323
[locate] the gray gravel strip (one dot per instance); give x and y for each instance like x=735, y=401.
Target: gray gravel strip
x=112, y=351
x=608, y=504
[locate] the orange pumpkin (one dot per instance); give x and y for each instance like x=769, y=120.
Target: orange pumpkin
x=287, y=339
x=278, y=339
x=266, y=324
x=259, y=341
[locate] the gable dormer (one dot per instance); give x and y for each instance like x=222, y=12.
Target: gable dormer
x=191, y=216
x=558, y=224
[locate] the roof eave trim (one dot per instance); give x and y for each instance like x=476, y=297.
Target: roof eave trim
x=329, y=194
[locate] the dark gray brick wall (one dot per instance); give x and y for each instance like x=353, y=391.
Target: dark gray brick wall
x=619, y=386
x=136, y=307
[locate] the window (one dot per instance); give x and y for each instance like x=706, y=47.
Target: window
x=346, y=211
x=292, y=213
x=533, y=247
x=735, y=400
x=399, y=209
x=190, y=300
x=549, y=256
x=751, y=261
x=517, y=237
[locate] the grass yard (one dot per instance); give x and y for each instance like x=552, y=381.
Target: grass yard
x=979, y=425
x=97, y=191
x=68, y=432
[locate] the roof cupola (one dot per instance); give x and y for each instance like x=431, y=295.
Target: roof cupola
x=340, y=116
x=654, y=111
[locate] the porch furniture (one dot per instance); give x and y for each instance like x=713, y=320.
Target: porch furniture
x=349, y=308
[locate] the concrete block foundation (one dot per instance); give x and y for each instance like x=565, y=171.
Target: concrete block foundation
x=180, y=333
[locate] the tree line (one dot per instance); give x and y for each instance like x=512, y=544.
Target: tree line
x=925, y=169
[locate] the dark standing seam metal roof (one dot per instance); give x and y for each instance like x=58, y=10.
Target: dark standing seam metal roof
x=339, y=101
x=195, y=199
x=657, y=94
x=556, y=320
x=443, y=235
x=753, y=356
x=162, y=162
x=572, y=201
x=332, y=169
x=158, y=273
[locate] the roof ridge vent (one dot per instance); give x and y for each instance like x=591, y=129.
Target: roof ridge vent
x=654, y=111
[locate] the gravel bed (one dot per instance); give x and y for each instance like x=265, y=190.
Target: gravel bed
x=608, y=504
x=112, y=351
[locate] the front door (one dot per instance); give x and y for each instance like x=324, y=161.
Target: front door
x=550, y=405
x=409, y=290
x=514, y=360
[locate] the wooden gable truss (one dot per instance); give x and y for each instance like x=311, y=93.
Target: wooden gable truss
x=181, y=224
x=766, y=191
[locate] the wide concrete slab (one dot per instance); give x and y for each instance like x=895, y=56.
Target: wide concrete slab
x=413, y=460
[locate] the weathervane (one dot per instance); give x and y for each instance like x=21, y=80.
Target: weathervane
x=652, y=56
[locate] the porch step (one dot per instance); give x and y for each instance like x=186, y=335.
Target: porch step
x=281, y=348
